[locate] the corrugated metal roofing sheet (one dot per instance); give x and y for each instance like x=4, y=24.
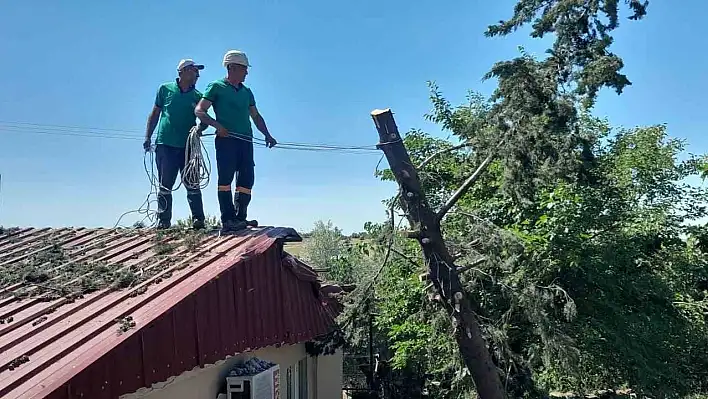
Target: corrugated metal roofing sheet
x=197, y=301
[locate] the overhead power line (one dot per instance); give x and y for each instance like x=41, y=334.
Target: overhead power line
x=197, y=161
x=125, y=134
x=70, y=134
x=66, y=127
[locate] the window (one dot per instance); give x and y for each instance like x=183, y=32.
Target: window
x=302, y=379
x=296, y=381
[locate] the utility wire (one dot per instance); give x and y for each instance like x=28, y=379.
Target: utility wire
x=282, y=146
x=145, y=209
x=197, y=164
x=64, y=127
x=68, y=133
x=62, y=130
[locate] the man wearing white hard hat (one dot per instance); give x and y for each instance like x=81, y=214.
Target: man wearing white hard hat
x=174, y=109
x=234, y=108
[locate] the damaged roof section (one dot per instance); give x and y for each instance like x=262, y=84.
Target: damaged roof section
x=126, y=308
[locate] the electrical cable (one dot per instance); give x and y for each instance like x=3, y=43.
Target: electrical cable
x=12, y=129
x=65, y=127
x=197, y=165
x=145, y=209
x=195, y=174
x=303, y=147
x=62, y=130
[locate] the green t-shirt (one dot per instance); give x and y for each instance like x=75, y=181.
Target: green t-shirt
x=231, y=106
x=177, y=114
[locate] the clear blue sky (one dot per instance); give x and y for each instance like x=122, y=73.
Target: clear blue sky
x=319, y=68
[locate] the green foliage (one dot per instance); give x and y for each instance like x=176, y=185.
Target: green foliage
x=586, y=246
x=531, y=122
x=210, y=222
x=343, y=259
x=418, y=337
x=595, y=284
x=580, y=55
x=324, y=248
x=600, y=282
x=617, y=251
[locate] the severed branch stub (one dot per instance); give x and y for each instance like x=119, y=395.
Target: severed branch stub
x=441, y=269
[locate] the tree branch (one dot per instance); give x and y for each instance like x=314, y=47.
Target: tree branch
x=472, y=265
x=446, y=150
x=464, y=187
x=404, y=256
x=390, y=243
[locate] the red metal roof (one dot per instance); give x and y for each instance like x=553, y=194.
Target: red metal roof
x=203, y=301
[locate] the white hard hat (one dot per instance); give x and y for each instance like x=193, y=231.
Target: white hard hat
x=188, y=62
x=236, y=57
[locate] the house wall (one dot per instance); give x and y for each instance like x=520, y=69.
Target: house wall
x=324, y=376
x=329, y=376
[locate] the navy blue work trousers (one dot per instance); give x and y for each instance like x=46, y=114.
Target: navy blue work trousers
x=170, y=162
x=234, y=158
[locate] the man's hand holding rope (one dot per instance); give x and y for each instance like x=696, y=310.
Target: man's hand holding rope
x=270, y=141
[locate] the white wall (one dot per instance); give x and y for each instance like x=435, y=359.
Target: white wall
x=329, y=376
x=324, y=376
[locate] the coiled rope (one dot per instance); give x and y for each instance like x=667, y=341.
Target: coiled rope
x=197, y=165
x=197, y=169
x=145, y=209
x=196, y=173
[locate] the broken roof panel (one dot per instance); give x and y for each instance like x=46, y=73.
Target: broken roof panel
x=97, y=313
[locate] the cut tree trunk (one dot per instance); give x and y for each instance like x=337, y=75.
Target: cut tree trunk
x=441, y=269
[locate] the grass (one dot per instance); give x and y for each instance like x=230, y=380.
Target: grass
x=295, y=248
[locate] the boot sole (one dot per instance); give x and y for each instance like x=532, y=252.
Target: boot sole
x=234, y=229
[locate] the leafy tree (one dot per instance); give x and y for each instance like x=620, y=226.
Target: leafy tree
x=531, y=124
x=580, y=59
x=599, y=282
x=324, y=248
x=584, y=249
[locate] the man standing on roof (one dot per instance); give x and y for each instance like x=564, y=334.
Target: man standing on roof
x=174, y=108
x=233, y=104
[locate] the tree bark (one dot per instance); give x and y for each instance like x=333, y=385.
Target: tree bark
x=441, y=268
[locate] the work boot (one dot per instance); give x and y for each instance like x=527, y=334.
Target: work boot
x=163, y=225
x=242, y=202
x=231, y=226
x=226, y=205
x=198, y=224
x=164, y=208
x=194, y=199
